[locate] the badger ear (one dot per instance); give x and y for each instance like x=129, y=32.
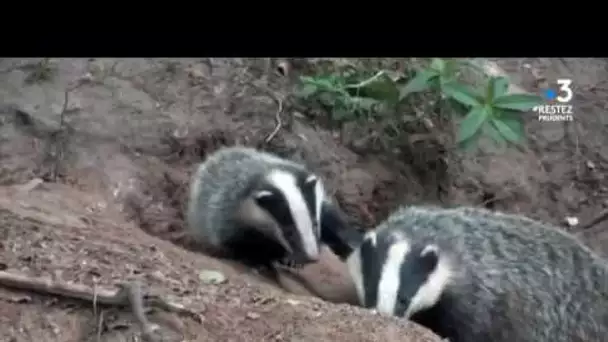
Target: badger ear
x=311, y=179
x=429, y=257
x=263, y=194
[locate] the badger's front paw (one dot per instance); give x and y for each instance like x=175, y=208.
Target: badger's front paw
x=290, y=263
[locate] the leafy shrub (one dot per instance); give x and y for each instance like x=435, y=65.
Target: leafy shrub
x=481, y=109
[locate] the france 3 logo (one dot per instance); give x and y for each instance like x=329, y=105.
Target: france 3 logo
x=558, y=108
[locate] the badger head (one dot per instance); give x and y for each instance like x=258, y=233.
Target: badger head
x=397, y=277
x=286, y=207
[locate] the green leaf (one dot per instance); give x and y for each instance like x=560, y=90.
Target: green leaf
x=510, y=126
x=306, y=91
x=491, y=131
x=420, y=82
x=472, y=65
x=471, y=144
x=327, y=99
x=306, y=79
x=451, y=68
x=445, y=79
x=323, y=83
x=499, y=86
x=462, y=94
x=364, y=103
x=438, y=65
x=342, y=115
x=519, y=102
x=505, y=131
x=380, y=87
x=472, y=123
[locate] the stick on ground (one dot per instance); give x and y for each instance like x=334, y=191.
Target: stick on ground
x=128, y=295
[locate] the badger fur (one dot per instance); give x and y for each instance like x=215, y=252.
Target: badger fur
x=470, y=274
x=258, y=208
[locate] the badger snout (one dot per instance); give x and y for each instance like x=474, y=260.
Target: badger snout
x=305, y=257
x=302, y=244
x=302, y=256
x=314, y=257
x=298, y=260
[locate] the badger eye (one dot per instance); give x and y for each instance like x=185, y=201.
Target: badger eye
x=403, y=300
x=289, y=233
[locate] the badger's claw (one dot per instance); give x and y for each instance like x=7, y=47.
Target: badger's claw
x=290, y=263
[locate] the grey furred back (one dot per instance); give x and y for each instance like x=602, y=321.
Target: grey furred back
x=515, y=278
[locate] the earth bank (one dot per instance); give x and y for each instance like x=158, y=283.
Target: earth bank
x=114, y=142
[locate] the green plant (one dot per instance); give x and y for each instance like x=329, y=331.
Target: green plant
x=488, y=109
x=439, y=73
x=491, y=110
x=42, y=71
x=351, y=95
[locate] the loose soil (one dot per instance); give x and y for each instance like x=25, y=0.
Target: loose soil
x=95, y=157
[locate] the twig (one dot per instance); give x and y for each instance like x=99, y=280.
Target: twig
x=277, y=120
x=68, y=290
x=128, y=295
x=95, y=300
x=99, y=326
x=277, y=115
x=603, y=215
x=66, y=99
x=367, y=81
x=136, y=298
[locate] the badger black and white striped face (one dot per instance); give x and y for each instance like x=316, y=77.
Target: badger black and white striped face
x=397, y=277
x=294, y=200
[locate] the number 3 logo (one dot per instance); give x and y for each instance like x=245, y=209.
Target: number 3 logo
x=564, y=87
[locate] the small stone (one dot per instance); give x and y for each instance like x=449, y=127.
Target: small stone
x=211, y=277
x=196, y=74
x=572, y=221
x=293, y=302
x=253, y=315
x=158, y=275
x=88, y=77
x=31, y=185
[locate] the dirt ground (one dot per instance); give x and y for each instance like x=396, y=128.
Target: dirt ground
x=112, y=143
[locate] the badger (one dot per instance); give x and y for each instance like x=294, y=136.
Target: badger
x=470, y=274
x=258, y=208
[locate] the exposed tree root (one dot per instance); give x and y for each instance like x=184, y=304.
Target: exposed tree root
x=588, y=226
x=128, y=295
